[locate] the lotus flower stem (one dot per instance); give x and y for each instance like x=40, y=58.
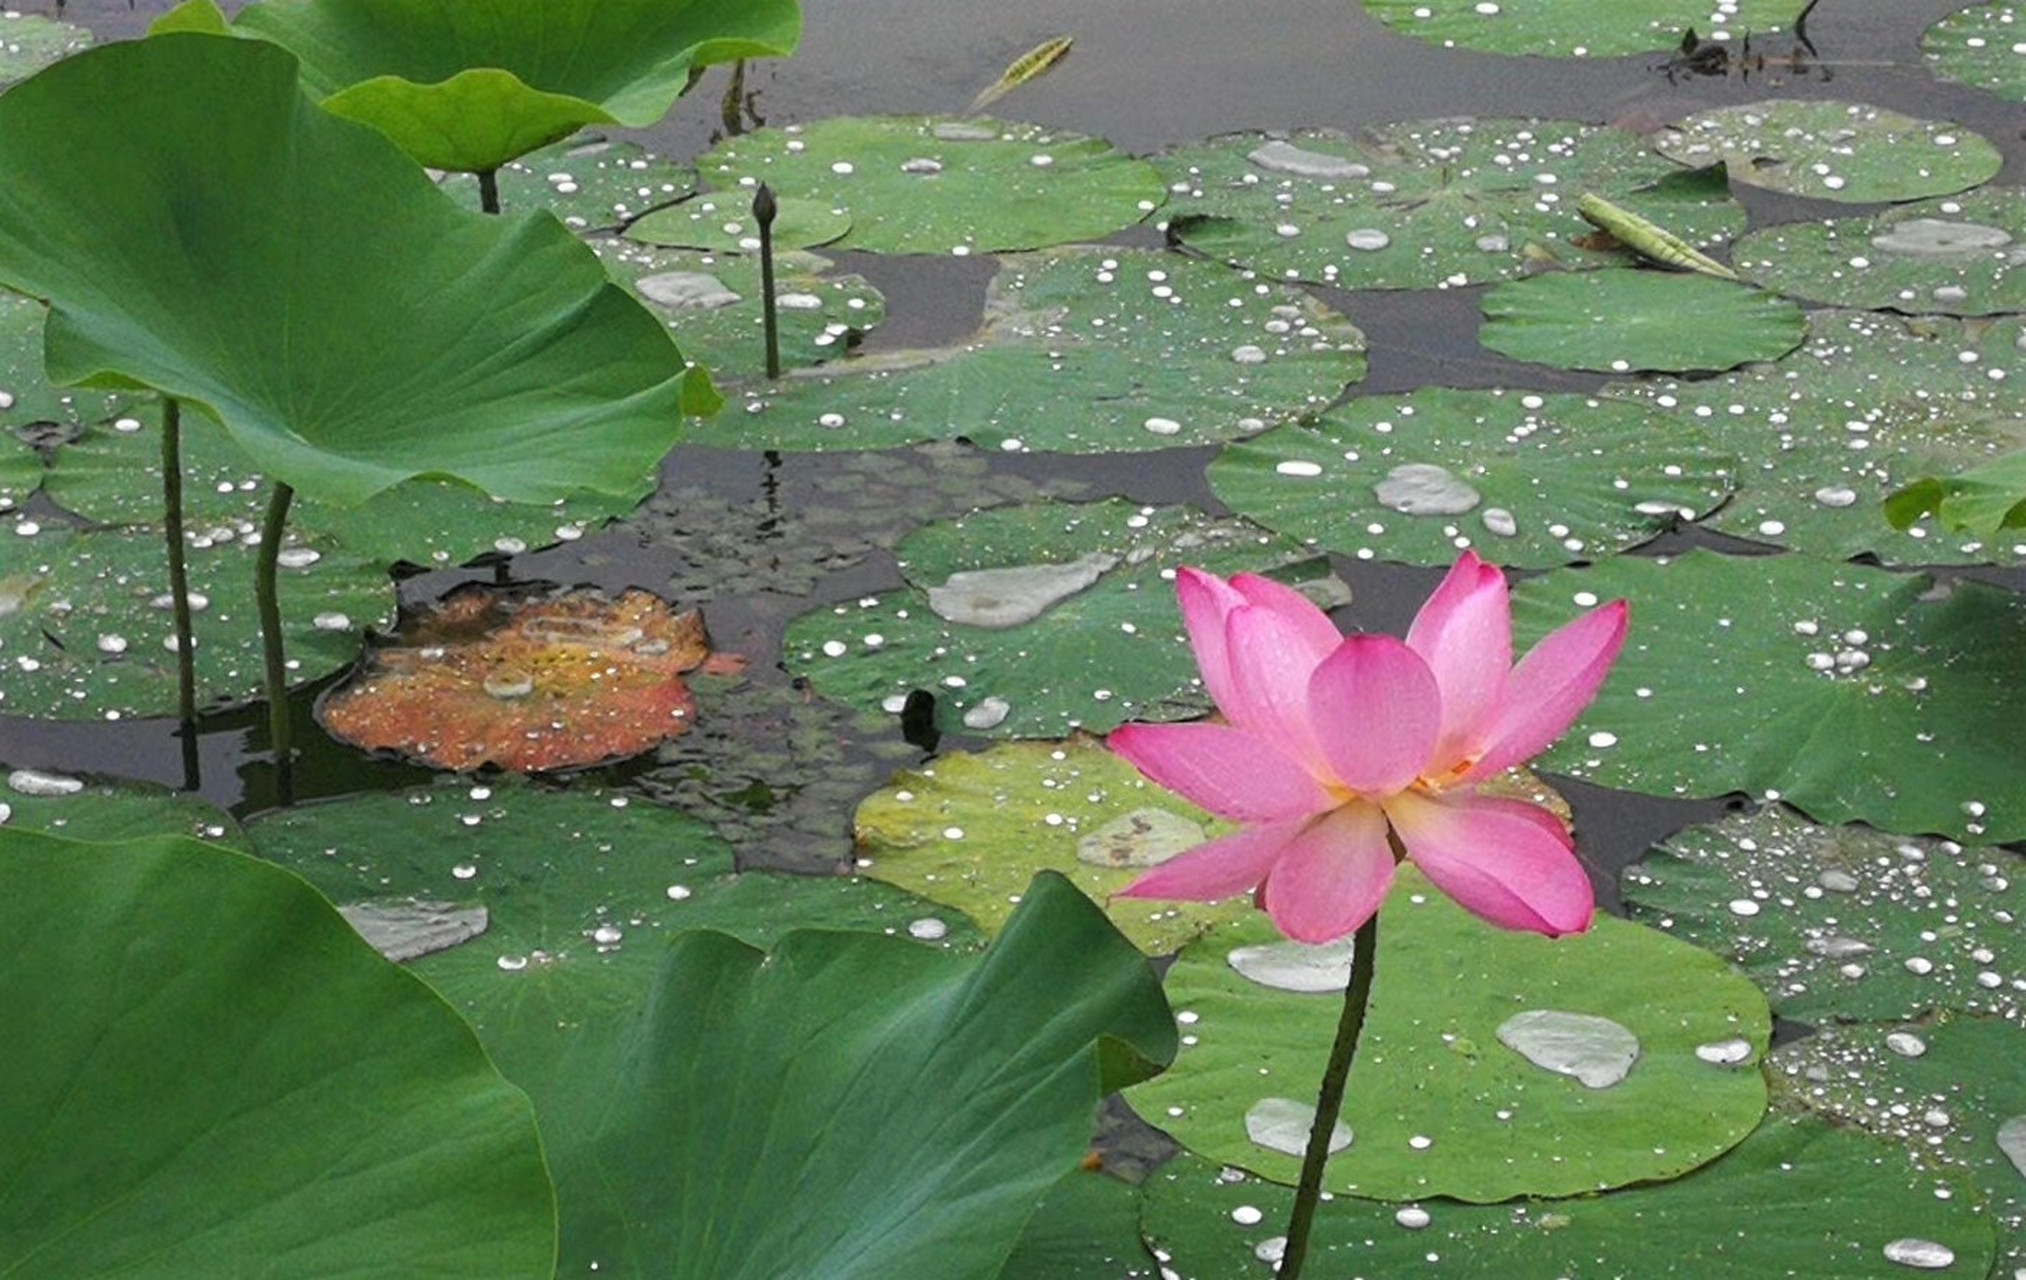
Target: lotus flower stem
x=488, y=190
x=269, y=602
x=179, y=586
x=764, y=209
x=1330, y=1098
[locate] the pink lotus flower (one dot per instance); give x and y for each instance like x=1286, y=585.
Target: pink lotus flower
x=1333, y=746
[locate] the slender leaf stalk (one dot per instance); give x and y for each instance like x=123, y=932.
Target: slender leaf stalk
x=488, y=190
x=179, y=586
x=764, y=209
x=1330, y=1098
x=268, y=599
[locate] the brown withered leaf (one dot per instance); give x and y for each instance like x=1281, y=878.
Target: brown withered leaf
x=530, y=685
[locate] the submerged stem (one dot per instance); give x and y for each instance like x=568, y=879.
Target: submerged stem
x=268, y=600
x=488, y=190
x=1330, y=1098
x=179, y=586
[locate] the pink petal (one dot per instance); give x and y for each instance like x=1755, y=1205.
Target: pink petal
x=1228, y=771
x=1218, y=868
x=1332, y=876
x=1465, y=634
x=1207, y=600
x=1376, y=710
x=1551, y=686
x=1313, y=627
x=1271, y=662
x=1497, y=860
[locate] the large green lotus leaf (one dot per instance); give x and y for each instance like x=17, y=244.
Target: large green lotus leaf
x=1799, y=1198
x=350, y=326
x=1869, y=403
x=1529, y=479
x=1035, y=620
x=1984, y=500
x=1082, y=351
x=1849, y=151
x=723, y=222
x=1549, y=28
x=117, y=809
x=87, y=630
x=26, y=395
x=1981, y=45
x=1429, y=203
x=1628, y=321
x=1854, y=694
x=939, y=184
x=590, y=183
x=972, y=829
x=1953, y=1092
x=1843, y=923
x=28, y=43
x=1439, y=1105
x=713, y=301
x=1088, y=1228
x=223, y=1080
x=1959, y=255
x=112, y=475
x=472, y=85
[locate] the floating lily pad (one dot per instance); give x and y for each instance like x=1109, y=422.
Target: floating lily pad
x=1952, y=1092
x=1032, y=621
x=118, y=809
x=1429, y=203
x=111, y=474
x=1625, y=321
x=972, y=829
x=26, y=393
x=277, y=1091
x=1854, y=694
x=1869, y=403
x=1961, y=255
x=29, y=42
x=1983, y=45
x=1439, y=1105
x=86, y=629
x=529, y=685
x=1550, y=29
x=712, y=303
x=1082, y=351
x=1528, y=479
x=591, y=183
x=20, y=472
x=1798, y=1198
x=940, y=184
x=1844, y=923
x=1833, y=150
x=1984, y=500
x=1087, y=1228
x=723, y=222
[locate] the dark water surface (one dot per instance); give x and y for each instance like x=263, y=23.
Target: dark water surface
x=1146, y=74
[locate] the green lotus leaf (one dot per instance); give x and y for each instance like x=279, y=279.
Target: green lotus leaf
x=1843, y=923
x=1443, y=1101
x=26, y=395
x=223, y=1080
x=1959, y=255
x=1869, y=404
x=1847, y=151
x=1032, y=621
x=972, y=829
x=29, y=43
x=713, y=302
x=1087, y=1228
x=20, y=472
x=1429, y=203
x=1526, y=478
x=1853, y=694
x=1985, y=500
x=1799, y=1198
x=86, y=623
x=940, y=184
x=428, y=522
x=345, y=321
x=1979, y=45
x=1547, y=28
x=1626, y=321
x=590, y=183
x=471, y=86
x=113, y=809
x=1952, y=1092
x=1082, y=351
x=723, y=222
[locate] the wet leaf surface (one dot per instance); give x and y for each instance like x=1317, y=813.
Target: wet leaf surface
x=26, y=394
x=29, y=42
x=591, y=183
x=1632, y=321
x=114, y=809
x=723, y=222
x=1560, y=30
x=1846, y=151
x=1979, y=45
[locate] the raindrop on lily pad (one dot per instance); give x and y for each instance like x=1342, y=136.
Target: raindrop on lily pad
x=1833, y=150
x=1544, y=28
x=1983, y=45
x=1594, y=1050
